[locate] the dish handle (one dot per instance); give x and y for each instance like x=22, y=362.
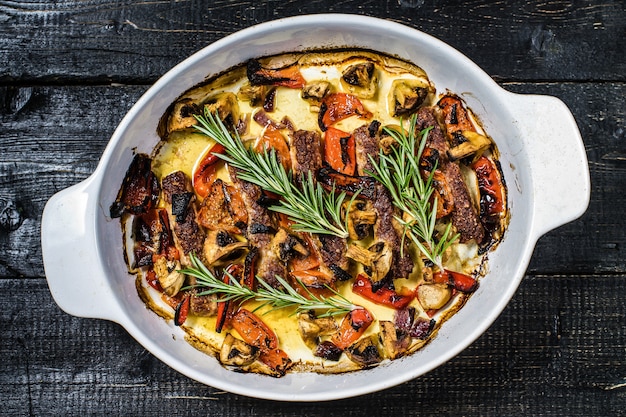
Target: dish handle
x=69, y=246
x=561, y=186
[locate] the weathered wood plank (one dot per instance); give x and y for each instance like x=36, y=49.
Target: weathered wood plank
x=558, y=349
x=100, y=41
x=52, y=137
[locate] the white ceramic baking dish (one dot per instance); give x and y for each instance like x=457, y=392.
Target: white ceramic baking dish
x=542, y=156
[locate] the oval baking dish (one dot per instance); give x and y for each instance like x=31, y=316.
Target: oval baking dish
x=541, y=154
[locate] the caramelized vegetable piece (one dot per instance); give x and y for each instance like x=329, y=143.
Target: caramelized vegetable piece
x=360, y=79
x=289, y=76
x=457, y=280
x=253, y=330
x=273, y=139
x=407, y=320
x=339, y=106
x=364, y=352
x=376, y=259
x=395, y=341
x=352, y=327
x=225, y=308
x=182, y=310
x=433, y=296
x=365, y=186
x=140, y=189
x=328, y=351
x=236, y=352
x=455, y=115
x=205, y=174
x=277, y=359
x=383, y=296
x=340, y=150
x=491, y=190
x=405, y=96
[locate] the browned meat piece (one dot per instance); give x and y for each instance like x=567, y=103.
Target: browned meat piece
x=332, y=250
x=260, y=231
x=464, y=216
x=188, y=233
x=140, y=189
x=388, y=230
x=366, y=140
x=306, y=153
x=222, y=209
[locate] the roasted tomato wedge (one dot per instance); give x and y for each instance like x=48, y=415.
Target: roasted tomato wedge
x=204, y=175
x=339, y=106
x=182, y=310
x=225, y=308
x=457, y=280
x=490, y=186
x=277, y=359
x=352, y=327
x=273, y=139
x=340, y=150
x=385, y=296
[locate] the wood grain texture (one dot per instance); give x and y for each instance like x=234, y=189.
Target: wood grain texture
x=97, y=41
x=558, y=349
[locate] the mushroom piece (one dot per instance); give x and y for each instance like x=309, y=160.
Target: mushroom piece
x=360, y=79
x=182, y=115
x=360, y=217
x=394, y=340
x=315, y=91
x=405, y=96
x=236, y=352
x=168, y=276
x=312, y=328
x=285, y=246
x=364, y=351
x=220, y=247
x=376, y=259
x=226, y=107
x=252, y=93
x=433, y=296
x=472, y=143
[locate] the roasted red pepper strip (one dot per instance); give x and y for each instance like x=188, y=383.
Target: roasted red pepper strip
x=290, y=76
x=352, y=327
x=384, y=296
x=277, y=359
x=339, y=106
x=224, y=308
x=459, y=281
x=182, y=310
x=205, y=173
x=253, y=330
x=340, y=150
x=490, y=187
x=456, y=116
x=273, y=139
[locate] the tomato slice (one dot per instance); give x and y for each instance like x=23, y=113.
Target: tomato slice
x=340, y=150
x=339, y=106
x=490, y=187
x=384, y=296
x=205, y=173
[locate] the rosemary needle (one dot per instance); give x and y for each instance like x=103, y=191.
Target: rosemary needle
x=399, y=172
x=312, y=208
x=208, y=283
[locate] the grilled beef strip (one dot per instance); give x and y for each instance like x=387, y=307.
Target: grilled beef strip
x=366, y=140
x=189, y=235
x=464, y=216
x=306, y=156
x=260, y=231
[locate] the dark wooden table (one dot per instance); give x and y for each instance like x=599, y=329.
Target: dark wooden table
x=69, y=70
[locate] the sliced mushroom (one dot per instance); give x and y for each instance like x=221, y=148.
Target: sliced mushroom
x=220, y=247
x=236, y=352
x=285, y=246
x=433, y=296
x=395, y=341
x=252, y=93
x=405, y=96
x=360, y=79
x=474, y=144
x=182, y=115
x=360, y=218
x=315, y=91
x=226, y=107
x=376, y=259
x=167, y=273
x=312, y=328
x=364, y=351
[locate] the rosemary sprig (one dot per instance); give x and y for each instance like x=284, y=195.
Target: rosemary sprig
x=312, y=208
x=399, y=173
x=267, y=295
